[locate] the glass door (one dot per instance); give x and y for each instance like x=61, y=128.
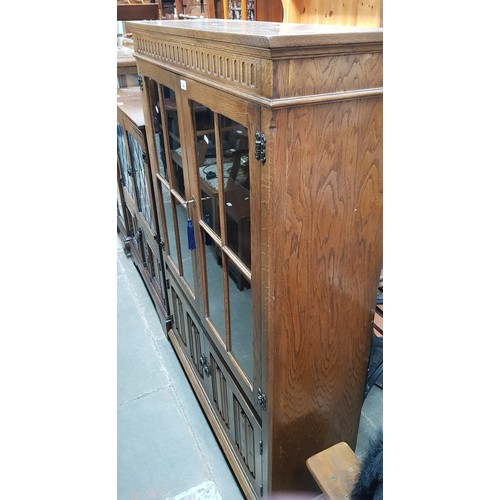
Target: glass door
x=223, y=175
x=176, y=207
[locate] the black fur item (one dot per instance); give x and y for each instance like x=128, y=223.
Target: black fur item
x=369, y=483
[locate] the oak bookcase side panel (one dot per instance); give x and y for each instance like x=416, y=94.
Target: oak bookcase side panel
x=327, y=217
x=321, y=75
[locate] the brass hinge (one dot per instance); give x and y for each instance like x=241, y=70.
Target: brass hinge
x=260, y=147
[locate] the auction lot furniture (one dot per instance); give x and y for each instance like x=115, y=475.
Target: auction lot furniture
x=266, y=153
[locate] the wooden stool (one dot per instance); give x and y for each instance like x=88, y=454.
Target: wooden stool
x=335, y=470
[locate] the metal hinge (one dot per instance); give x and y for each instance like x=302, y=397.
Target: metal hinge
x=169, y=319
x=139, y=81
x=260, y=147
x=261, y=397
x=261, y=490
x=261, y=447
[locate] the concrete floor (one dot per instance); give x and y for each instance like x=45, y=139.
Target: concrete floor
x=166, y=449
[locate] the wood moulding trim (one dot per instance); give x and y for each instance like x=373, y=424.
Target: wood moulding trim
x=289, y=102
x=239, y=69
x=277, y=103
x=245, y=73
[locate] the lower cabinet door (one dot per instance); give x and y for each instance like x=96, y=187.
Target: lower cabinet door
x=240, y=426
x=238, y=421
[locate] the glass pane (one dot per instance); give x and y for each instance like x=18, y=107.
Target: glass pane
x=240, y=308
x=122, y=159
x=207, y=164
x=119, y=203
x=174, y=142
x=158, y=129
x=237, y=189
x=234, y=181
x=215, y=288
x=170, y=246
x=139, y=170
x=186, y=254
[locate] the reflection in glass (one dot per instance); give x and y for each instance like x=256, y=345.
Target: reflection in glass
x=240, y=307
x=174, y=142
x=166, y=127
x=119, y=204
x=231, y=187
x=122, y=157
x=186, y=254
x=160, y=154
x=237, y=192
x=170, y=246
x=138, y=168
x=158, y=130
x=204, y=120
x=215, y=289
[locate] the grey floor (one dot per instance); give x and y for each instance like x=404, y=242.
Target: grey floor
x=166, y=449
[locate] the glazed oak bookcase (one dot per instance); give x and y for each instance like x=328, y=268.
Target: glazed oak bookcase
x=137, y=220
x=266, y=151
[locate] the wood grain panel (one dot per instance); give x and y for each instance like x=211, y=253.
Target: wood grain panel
x=337, y=12
x=328, y=74
x=328, y=219
x=269, y=10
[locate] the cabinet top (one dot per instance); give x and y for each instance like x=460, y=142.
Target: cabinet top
x=129, y=102
x=261, y=34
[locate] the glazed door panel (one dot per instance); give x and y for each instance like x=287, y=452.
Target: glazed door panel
x=174, y=205
x=222, y=174
x=205, y=173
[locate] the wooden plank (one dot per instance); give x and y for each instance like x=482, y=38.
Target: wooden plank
x=341, y=13
x=335, y=470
